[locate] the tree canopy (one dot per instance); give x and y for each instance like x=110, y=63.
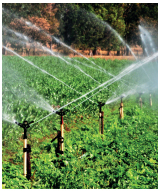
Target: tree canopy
x=85, y=25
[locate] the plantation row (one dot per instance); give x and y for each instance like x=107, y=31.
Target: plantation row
x=126, y=157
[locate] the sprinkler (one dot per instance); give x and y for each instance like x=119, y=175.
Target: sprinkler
x=26, y=150
x=140, y=100
x=121, y=108
x=150, y=100
x=60, y=134
x=101, y=124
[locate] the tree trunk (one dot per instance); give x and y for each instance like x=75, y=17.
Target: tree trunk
x=124, y=51
x=118, y=52
x=127, y=52
x=90, y=53
x=95, y=51
x=27, y=51
x=3, y=51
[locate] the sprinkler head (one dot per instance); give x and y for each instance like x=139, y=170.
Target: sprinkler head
x=62, y=112
x=141, y=93
x=25, y=124
x=122, y=96
x=100, y=104
x=16, y=122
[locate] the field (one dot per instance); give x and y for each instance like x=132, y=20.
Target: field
x=125, y=157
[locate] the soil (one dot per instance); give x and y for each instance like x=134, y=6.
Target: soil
x=137, y=50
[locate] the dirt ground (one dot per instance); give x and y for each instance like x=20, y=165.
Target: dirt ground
x=108, y=57
x=137, y=50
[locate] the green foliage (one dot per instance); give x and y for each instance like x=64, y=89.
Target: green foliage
x=126, y=157
x=81, y=25
x=84, y=25
x=23, y=9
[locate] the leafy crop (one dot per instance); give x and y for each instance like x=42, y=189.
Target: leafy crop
x=125, y=157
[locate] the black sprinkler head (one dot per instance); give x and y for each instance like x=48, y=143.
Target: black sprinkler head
x=62, y=112
x=122, y=96
x=100, y=104
x=141, y=93
x=25, y=124
x=17, y=123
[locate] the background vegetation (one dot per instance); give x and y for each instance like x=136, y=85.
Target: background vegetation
x=79, y=24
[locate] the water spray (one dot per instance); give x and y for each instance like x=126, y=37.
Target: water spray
x=60, y=134
x=109, y=82
x=121, y=108
x=26, y=150
x=101, y=124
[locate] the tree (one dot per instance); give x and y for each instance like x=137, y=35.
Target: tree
x=133, y=14
x=86, y=29
x=49, y=13
x=41, y=15
x=11, y=11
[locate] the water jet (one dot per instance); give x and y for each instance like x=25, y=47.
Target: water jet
x=150, y=99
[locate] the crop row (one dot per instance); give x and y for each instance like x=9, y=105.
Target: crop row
x=127, y=157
